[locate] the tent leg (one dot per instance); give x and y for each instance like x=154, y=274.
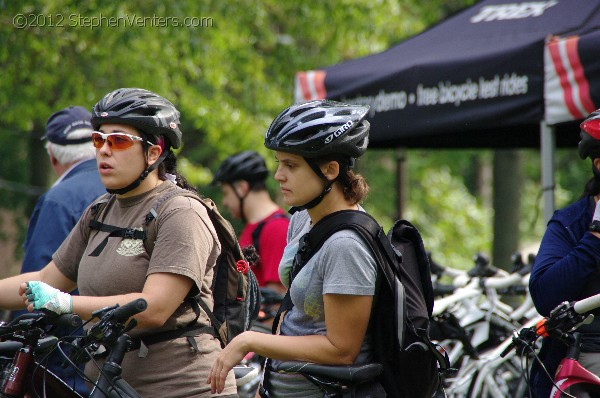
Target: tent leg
x=401, y=182
x=548, y=144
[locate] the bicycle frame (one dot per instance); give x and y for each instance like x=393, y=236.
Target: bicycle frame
x=570, y=372
x=571, y=376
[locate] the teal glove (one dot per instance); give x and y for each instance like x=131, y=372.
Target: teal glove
x=42, y=295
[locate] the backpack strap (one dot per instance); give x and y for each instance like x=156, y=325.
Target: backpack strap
x=384, y=253
x=236, y=286
x=313, y=240
x=148, y=236
x=257, y=231
x=113, y=231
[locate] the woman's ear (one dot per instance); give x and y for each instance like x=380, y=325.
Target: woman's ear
x=596, y=163
x=153, y=154
x=331, y=170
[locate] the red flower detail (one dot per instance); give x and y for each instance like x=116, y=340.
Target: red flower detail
x=242, y=266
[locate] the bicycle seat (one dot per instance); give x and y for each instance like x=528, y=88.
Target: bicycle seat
x=343, y=373
x=10, y=347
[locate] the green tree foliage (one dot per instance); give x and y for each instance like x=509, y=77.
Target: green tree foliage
x=230, y=74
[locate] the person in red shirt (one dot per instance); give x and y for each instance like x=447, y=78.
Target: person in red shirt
x=242, y=180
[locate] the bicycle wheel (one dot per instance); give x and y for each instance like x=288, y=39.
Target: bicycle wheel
x=499, y=380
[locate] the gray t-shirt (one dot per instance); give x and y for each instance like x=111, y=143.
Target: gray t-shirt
x=343, y=265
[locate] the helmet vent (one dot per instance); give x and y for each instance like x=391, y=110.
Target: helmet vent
x=121, y=105
x=313, y=116
x=344, y=112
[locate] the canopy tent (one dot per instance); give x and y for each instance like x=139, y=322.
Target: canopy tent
x=500, y=74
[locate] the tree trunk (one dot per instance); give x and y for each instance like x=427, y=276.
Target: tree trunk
x=508, y=182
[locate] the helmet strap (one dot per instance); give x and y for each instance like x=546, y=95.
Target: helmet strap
x=145, y=173
x=241, y=198
x=328, y=186
x=595, y=170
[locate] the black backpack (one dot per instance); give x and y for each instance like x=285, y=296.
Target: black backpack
x=236, y=294
x=403, y=303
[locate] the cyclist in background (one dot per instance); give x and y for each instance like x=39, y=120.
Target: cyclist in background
x=566, y=266
x=68, y=139
x=136, y=130
x=242, y=180
x=316, y=144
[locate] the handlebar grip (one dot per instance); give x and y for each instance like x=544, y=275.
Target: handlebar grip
x=64, y=320
x=587, y=305
x=128, y=310
x=440, y=289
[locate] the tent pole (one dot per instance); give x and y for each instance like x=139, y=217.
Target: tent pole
x=548, y=144
x=401, y=183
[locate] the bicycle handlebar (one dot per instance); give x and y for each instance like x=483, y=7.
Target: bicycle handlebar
x=124, y=312
x=564, y=318
x=587, y=305
x=499, y=282
x=48, y=318
x=108, y=329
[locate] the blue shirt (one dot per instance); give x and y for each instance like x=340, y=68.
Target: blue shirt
x=55, y=214
x=566, y=269
x=57, y=211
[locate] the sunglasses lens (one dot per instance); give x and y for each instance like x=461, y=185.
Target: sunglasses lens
x=97, y=140
x=119, y=141
x=115, y=141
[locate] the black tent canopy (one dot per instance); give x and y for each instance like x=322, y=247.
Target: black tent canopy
x=499, y=74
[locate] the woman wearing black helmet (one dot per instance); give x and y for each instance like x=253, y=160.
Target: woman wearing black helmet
x=106, y=255
x=316, y=144
x=566, y=266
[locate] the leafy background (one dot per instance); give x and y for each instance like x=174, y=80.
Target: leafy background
x=230, y=77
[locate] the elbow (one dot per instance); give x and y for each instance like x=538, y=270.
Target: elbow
x=152, y=319
x=346, y=360
x=345, y=357
x=153, y=323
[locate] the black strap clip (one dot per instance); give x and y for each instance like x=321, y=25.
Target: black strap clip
x=129, y=233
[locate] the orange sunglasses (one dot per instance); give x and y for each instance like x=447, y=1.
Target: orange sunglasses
x=116, y=141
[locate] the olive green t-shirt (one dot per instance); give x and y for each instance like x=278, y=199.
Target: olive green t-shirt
x=186, y=244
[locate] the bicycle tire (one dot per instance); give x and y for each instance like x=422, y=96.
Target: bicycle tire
x=504, y=381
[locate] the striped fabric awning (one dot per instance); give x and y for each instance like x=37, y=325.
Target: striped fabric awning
x=566, y=87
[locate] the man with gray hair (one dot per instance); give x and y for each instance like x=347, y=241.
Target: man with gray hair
x=68, y=139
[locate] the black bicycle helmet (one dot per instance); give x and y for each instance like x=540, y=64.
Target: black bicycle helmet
x=246, y=165
x=148, y=112
x=319, y=128
x=589, y=145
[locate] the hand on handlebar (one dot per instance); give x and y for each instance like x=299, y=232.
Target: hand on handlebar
x=44, y=296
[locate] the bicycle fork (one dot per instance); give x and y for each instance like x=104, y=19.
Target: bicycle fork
x=110, y=383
